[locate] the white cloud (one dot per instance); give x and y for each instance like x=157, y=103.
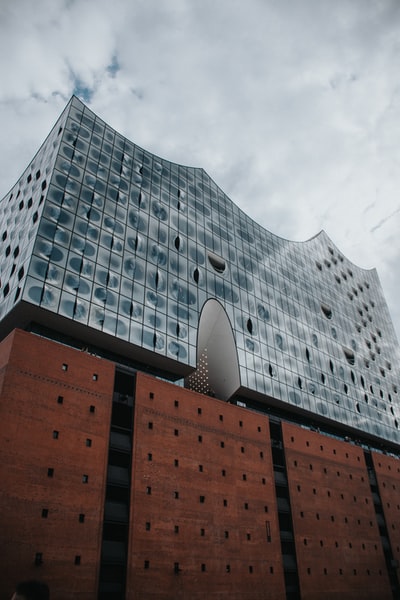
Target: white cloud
x=292, y=107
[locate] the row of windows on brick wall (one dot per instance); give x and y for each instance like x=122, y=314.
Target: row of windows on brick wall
x=60, y=400
x=321, y=447
x=337, y=545
x=177, y=568
x=64, y=367
x=50, y=473
x=39, y=559
x=200, y=412
x=46, y=512
x=325, y=471
x=342, y=572
x=202, y=499
x=56, y=436
x=150, y=425
x=332, y=518
x=315, y=491
x=226, y=532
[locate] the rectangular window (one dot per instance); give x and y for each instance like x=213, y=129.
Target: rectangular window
x=55, y=435
x=81, y=518
x=50, y=472
x=85, y=478
x=95, y=377
x=240, y=423
x=45, y=513
x=64, y=367
x=92, y=408
x=77, y=560
x=268, y=530
x=176, y=529
x=88, y=442
x=151, y=395
x=221, y=417
x=203, y=567
x=222, y=444
x=150, y=425
x=150, y=456
x=242, y=449
x=148, y=490
x=200, y=438
x=60, y=399
x=225, y=502
x=39, y=558
x=246, y=506
x=199, y=411
x=202, y=499
x=176, y=494
x=202, y=532
x=201, y=468
x=146, y=564
x=223, y=472
x=176, y=431
x=176, y=462
x=148, y=526
x=176, y=403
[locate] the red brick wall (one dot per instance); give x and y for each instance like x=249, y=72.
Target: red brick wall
x=337, y=538
x=29, y=414
x=387, y=469
x=233, y=534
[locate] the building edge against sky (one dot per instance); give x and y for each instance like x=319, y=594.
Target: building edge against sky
x=119, y=248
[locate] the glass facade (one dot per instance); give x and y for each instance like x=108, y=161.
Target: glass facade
x=101, y=232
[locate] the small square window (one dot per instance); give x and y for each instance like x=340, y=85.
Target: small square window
x=148, y=490
x=95, y=377
x=151, y=395
x=39, y=558
x=64, y=367
x=60, y=399
x=176, y=432
x=146, y=564
x=55, y=435
x=244, y=477
x=81, y=518
x=85, y=478
x=88, y=442
x=45, y=513
x=150, y=425
x=176, y=403
x=50, y=472
x=77, y=560
x=92, y=408
x=202, y=499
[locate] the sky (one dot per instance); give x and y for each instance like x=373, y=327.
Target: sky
x=291, y=106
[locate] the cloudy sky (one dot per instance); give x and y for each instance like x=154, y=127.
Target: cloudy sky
x=291, y=106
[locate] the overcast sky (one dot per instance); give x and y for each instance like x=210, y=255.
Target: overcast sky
x=291, y=106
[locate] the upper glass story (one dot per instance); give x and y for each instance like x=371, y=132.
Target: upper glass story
x=132, y=245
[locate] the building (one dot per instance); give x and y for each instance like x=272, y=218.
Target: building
x=191, y=406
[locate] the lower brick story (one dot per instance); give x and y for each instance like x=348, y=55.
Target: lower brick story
x=118, y=484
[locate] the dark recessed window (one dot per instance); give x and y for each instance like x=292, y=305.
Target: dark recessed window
x=45, y=513
x=92, y=408
x=64, y=367
x=148, y=490
x=55, y=434
x=38, y=558
x=202, y=499
x=199, y=411
x=77, y=560
x=81, y=518
x=151, y=395
x=150, y=425
x=146, y=564
x=95, y=377
x=176, y=431
x=85, y=478
x=176, y=403
x=148, y=526
x=50, y=472
x=60, y=399
x=88, y=442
